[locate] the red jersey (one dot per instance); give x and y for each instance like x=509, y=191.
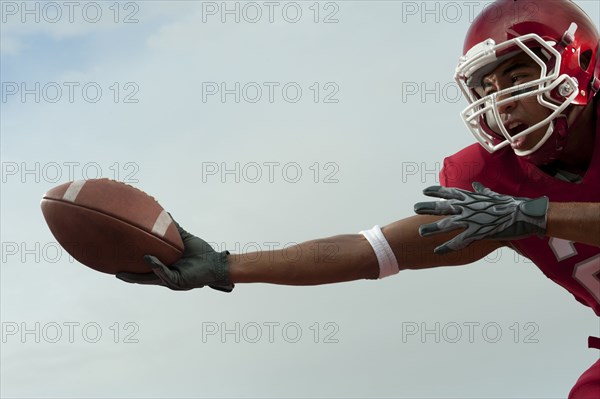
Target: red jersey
x=573, y=265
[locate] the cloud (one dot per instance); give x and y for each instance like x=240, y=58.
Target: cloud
x=66, y=20
x=10, y=45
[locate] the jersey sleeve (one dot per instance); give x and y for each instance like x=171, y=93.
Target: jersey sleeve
x=498, y=171
x=463, y=168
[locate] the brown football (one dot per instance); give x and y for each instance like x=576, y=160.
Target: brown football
x=109, y=226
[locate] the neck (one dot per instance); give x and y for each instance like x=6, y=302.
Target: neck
x=579, y=150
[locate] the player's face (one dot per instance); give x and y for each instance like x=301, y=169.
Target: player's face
x=522, y=112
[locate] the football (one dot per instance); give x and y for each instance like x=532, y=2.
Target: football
x=109, y=226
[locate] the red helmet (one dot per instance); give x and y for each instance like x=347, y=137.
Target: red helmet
x=561, y=39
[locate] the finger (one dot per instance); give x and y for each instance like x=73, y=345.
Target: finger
x=184, y=234
x=444, y=192
x=436, y=208
x=481, y=189
x=426, y=230
x=478, y=187
x=223, y=288
x=165, y=274
x=444, y=249
x=139, y=278
x=441, y=226
x=456, y=244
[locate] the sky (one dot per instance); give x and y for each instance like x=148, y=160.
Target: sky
x=258, y=125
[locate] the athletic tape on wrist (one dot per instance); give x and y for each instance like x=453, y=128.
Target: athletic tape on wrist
x=388, y=265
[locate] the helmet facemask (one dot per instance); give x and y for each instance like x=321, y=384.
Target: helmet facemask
x=551, y=90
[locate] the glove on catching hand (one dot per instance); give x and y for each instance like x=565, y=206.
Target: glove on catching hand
x=199, y=265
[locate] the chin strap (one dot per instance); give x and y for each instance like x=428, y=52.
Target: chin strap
x=551, y=149
x=595, y=83
x=561, y=126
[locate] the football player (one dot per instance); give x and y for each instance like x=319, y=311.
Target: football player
x=531, y=73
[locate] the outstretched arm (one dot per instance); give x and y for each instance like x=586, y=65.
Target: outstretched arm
x=351, y=257
x=323, y=261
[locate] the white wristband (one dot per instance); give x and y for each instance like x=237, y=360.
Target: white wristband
x=388, y=265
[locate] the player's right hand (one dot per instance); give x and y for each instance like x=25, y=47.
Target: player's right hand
x=199, y=265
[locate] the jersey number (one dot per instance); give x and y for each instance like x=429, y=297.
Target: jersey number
x=587, y=272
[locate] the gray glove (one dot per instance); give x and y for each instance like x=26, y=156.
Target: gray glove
x=199, y=265
x=484, y=214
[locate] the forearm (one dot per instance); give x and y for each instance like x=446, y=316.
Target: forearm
x=329, y=260
x=574, y=221
x=351, y=257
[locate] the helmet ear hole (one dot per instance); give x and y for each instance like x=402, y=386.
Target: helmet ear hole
x=584, y=59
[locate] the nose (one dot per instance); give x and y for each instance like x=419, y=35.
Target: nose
x=506, y=103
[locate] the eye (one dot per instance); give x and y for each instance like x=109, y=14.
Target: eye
x=519, y=78
x=488, y=88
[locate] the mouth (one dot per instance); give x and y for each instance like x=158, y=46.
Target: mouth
x=515, y=128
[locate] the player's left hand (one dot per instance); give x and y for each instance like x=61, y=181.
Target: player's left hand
x=484, y=214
